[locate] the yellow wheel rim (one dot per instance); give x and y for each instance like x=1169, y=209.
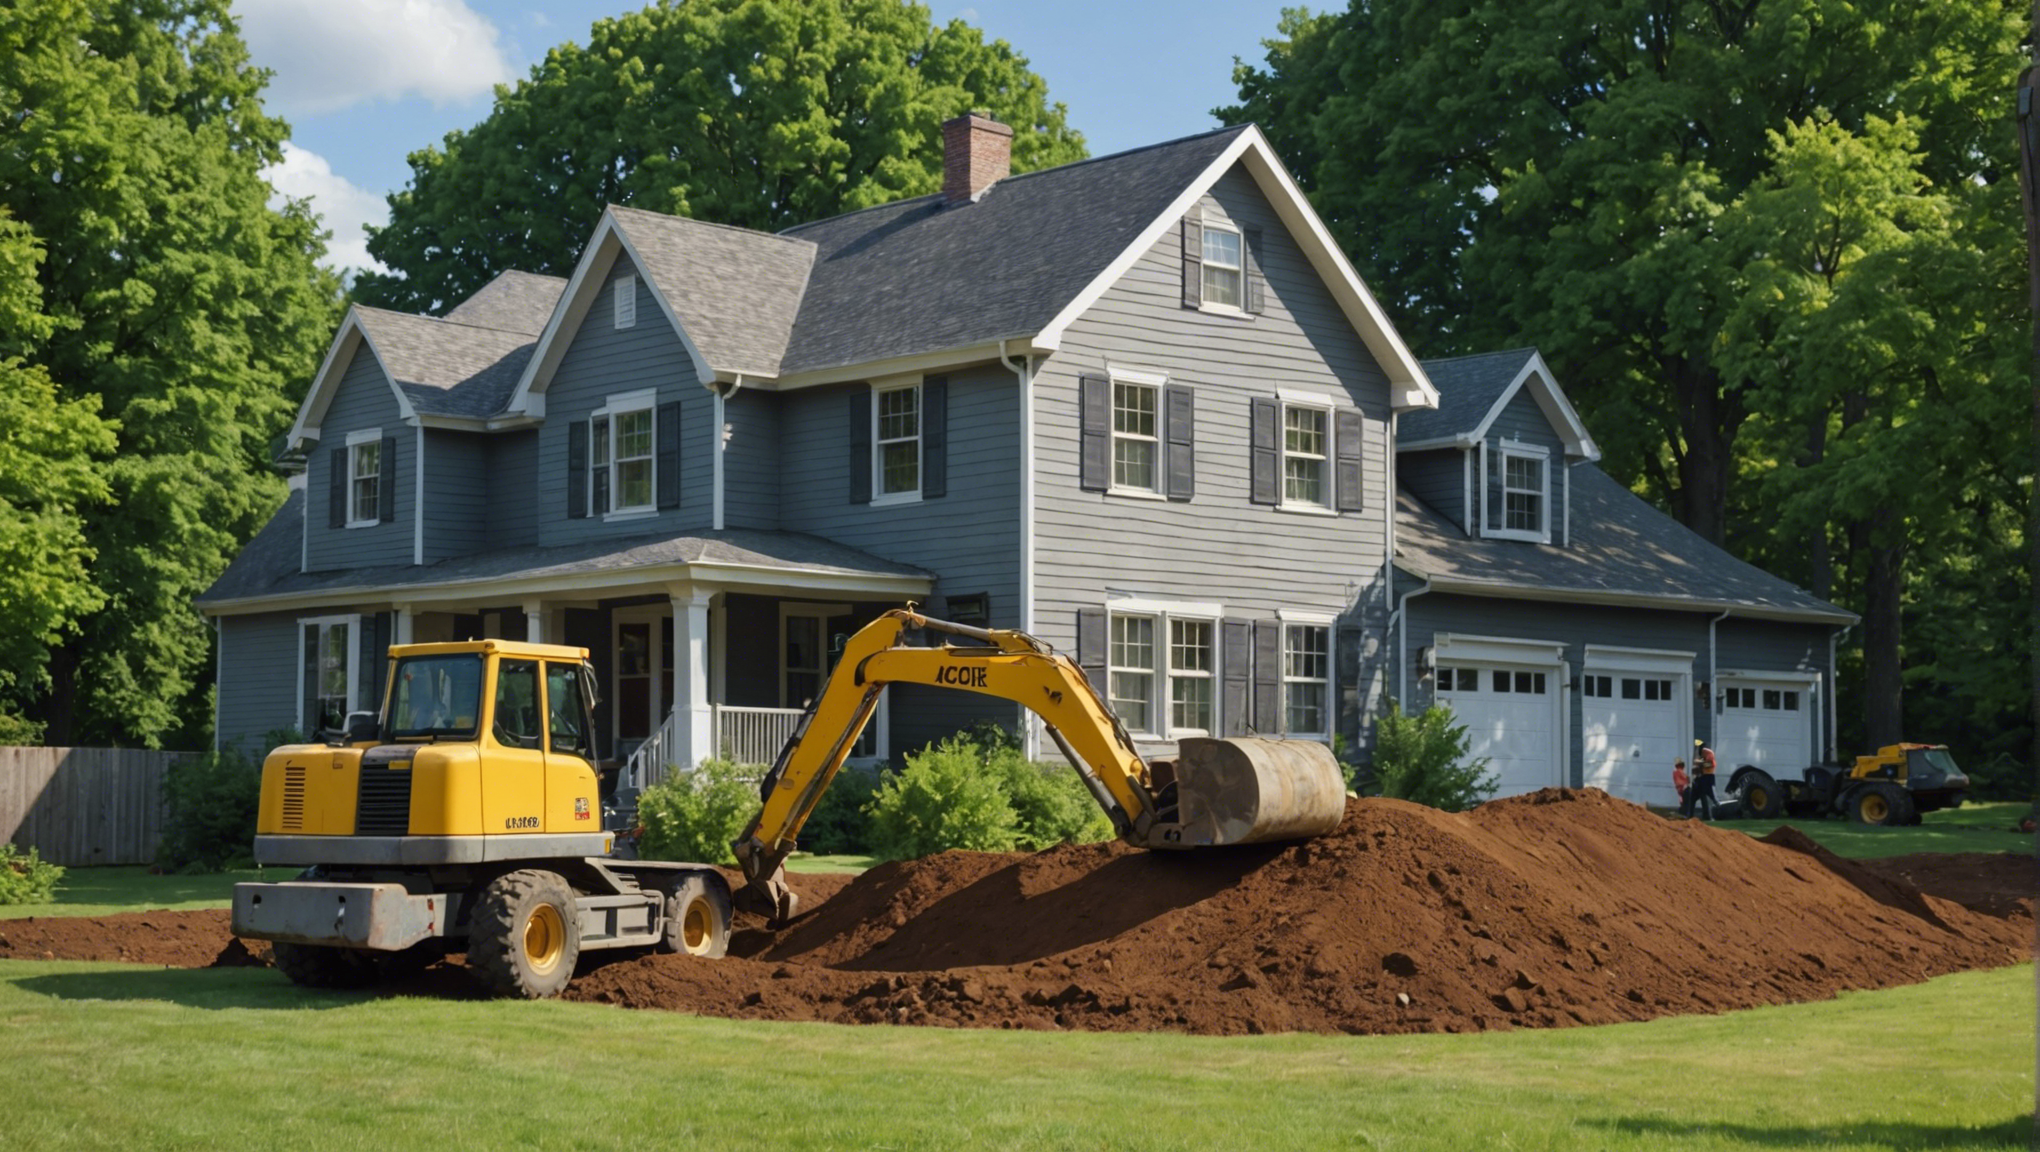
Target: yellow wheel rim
x=1874, y=809
x=1759, y=798
x=545, y=938
x=697, y=927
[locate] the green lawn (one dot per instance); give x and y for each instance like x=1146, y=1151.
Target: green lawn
x=123, y=1057
x=1970, y=828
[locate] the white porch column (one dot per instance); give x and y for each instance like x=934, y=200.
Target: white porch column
x=693, y=722
x=405, y=614
x=534, y=621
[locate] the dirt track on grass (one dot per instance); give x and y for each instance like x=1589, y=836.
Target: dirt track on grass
x=1550, y=910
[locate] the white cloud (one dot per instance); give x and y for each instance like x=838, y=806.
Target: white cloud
x=342, y=206
x=332, y=54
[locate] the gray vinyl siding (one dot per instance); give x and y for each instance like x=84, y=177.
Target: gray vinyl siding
x=258, y=689
x=752, y=461
x=600, y=361
x=970, y=538
x=1762, y=646
x=363, y=400
x=1438, y=478
x=514, y=493
x=457, y=494
x=1219, y=546
x=1522, y=421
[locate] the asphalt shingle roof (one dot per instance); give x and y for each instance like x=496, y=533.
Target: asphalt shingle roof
x=923, y=276
x=1621, y=548
x=268, y=566
x=512, y=302
x=1468, y=387
x=735, y=291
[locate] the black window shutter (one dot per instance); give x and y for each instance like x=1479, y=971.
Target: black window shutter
x=1264, y=432
x=934, y=437
x=1094, y=395
x=1236, y=641
x=1257, y=288
x=668, y=432
x=386, y=480
x=1349, y=445
x=1193, y=261
x=860, y=446
x=577, y=469
x=1180, y=429
x=1494, y=500
x=309, y=716
x=1268, y=718
x=1091, y=647
x=336, y=489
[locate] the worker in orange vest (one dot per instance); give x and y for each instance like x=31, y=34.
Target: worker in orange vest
x=1700, y=794
x=1679, y=782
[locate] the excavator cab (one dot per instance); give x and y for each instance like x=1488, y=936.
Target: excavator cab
x=1216, y=792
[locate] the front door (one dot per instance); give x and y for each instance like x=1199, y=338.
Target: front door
x=640, y=674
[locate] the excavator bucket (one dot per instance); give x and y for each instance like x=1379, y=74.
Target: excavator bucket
x=1245, y=791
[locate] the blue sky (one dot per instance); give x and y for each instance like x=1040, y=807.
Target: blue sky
x=365, y=82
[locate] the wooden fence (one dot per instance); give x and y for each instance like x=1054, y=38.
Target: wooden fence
x=84, y=805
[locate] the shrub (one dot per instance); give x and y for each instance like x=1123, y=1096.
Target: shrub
x=1050, y=802
x=26, y=879
x=696, y=815
x=944, y=799
x=839, y=825
x=19, y=732
x=210, y=803
x=1423, y=759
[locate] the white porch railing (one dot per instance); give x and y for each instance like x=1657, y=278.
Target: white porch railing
x=745, y=735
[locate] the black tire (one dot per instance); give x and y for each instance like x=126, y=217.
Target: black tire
x=1879, y=803
x=1762, y=799
x=322, y=966
x=698, y=917
x=525, y=935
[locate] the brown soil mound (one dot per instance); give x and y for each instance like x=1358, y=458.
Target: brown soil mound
x=1548, y=910
x=1565, y=907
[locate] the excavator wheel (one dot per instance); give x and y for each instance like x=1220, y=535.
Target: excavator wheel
x=1761, y=797
x=324, y=966
x=698, y=917
x=525, y=936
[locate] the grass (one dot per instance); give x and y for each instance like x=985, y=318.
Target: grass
x=1970, y=828
x=123, y=1057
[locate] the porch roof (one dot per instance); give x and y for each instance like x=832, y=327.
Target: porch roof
x=265, y=576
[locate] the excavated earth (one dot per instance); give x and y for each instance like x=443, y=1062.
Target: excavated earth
x=1559, y=908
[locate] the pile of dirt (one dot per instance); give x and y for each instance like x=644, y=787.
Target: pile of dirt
x=1560, y=908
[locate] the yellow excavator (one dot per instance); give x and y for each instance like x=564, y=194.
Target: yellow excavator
x=467, y=816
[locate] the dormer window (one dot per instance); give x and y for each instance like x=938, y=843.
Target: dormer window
x=1522, y=483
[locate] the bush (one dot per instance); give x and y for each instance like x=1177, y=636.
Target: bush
x=210, y=805
x=1050, y=802
x=944, y=799
x=26, y=879
x=1423, y=759
x=19, y=732
x=696, y=815
x=840, y=825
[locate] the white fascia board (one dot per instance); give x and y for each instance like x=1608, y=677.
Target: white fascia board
x=1809, y=678
x=1612, y=658
x=1558, y=411
x=319, y=397
x=1499, y=590
x=1497, y=650
x=1409, y=386
x=480, y=423
x=983, y=352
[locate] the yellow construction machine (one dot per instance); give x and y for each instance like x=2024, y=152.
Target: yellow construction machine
x=1892, y=786
x=469, y=816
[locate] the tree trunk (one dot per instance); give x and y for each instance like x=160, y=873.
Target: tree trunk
x=60, y=706
x=1820, y=558
x=1709, y=418
x=1881, y=543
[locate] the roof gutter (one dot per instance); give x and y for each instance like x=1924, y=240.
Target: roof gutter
x=1502, y=591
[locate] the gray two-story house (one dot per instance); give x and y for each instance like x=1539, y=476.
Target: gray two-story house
x=1139, y=406
x=1582, y=636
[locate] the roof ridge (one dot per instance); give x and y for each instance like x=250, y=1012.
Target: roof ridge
x=1525, y=349
x=445, y=321
x=699, y=222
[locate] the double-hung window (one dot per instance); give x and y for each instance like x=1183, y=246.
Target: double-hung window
x=1162, y=667
x=1307, y=678
x=328, y=688
x=896, y=444
x=621, y=460
x=1525, y=486
x=364, y=477
x=1223, y=264
x=1191, y=652
x=1133, y=671
x=1306, y=456
x=1136, y=439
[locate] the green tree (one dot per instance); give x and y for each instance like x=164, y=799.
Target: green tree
x=758, y=113
x=172, y=298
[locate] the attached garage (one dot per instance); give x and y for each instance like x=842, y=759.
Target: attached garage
x=1636, y=718
x=1510, y=695
x=1765, y=719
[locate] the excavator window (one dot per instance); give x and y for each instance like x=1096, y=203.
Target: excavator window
x=516, y=723
x=436, y=696
x=569, y=710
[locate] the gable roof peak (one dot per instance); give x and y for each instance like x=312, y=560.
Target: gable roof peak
x=1474, y=390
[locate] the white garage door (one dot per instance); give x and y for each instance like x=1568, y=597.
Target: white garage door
x=1511, y=718
x=1768, y=723
x=1634, y=726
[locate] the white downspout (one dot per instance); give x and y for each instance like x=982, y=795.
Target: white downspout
x=1713, y=679
x=1834, y=692
x=722, y=439
x=1399, y=623
x=1024, y=373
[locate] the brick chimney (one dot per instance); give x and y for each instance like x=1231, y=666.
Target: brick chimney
x=977, y=152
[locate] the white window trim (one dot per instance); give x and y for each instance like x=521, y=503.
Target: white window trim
x=1329, y=460
x=1158, y=381
x=1516, y=448
x=1204, y=305
x=1161, y=703
x=624, y=304
x=620, y=404
x=353, y=623
x=355, y=440
x=1292, y=619
x=879, y=496
x=880, y=727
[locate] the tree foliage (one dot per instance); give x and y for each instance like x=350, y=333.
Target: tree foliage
x=1768, y=247
x=758, y=113
x=157, y=318
x=698, y=815
x=1423, y=759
